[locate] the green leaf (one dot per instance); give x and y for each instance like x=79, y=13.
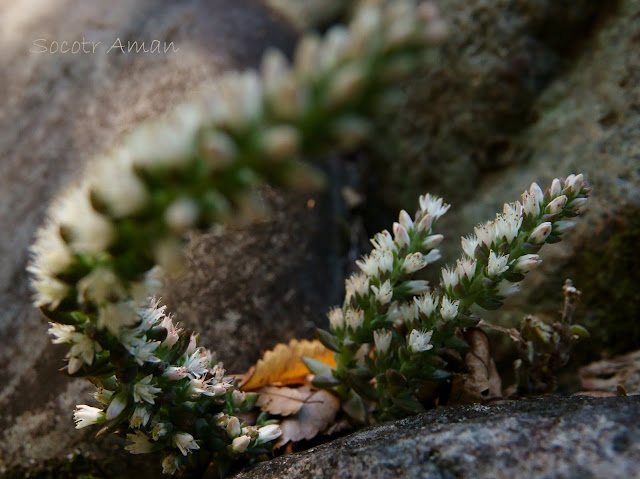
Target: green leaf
x=579, y=331
x=325, y=382
x=455, y=342
x=317, y=367
x=410, y=405
x=490, y=304
x=328, y=340
x=354, y=408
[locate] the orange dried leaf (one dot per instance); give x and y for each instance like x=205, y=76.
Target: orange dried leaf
x=316, y=414
x=283, y=364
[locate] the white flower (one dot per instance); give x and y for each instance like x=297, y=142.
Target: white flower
x=419, y=341
x=63, y=332
x=556, y=205
x=425, y=224
x=172, y=332
x=401, y=235
x=233, y=427
x=414, y=262
x=369, y=265
x=382, y=340
x=182, y=214
x=159, y=430
x=268, y=433
x=497, y=264
x=84, y=348
x=408, y=311
x=541, y=233
x=115, y=184
x=465, y=268
x=486, y=233
x=198, y=386
x=384, y=259
x=87, y=416
x=434, y=206
x=336, y=319
x=507, y=226
x=185, y=442
x=140, y=443
x=240, y=443
x=197, y=362
x=50, y=254
x=432, y=241
x=427, y=303
x=49, y=291
x=449, y=278
x=506, y=288
x=170, y=464
x=354, y=318
x=417, y=286
x=143, y=351
x=383, y=241
x=140, y=416
x=526, y=263
x=144, y=391
x=357, y=285
x=116, y=316
x=383, y=293
x=469, y=245
x=449, y=309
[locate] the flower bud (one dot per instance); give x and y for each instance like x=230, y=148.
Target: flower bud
x=240, y=444
x=540, y=234
x=269, y=433
x=432, y=241
x=382, y=340
x=556, y=205
x=401, y=235
x=556, y=188
x=118, y=403
x=526, y=263
x=233, y=427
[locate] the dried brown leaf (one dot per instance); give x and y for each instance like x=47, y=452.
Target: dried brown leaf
x=282, y=400
x=481, y=381
x=283, y=365
x=317, y=413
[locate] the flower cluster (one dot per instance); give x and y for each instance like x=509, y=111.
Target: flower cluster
x=393, y=333
x=93, y=261
x=172, y=396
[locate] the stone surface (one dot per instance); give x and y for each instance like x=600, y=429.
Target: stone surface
x=550, y=438
x=57, y=111
x=523, y=91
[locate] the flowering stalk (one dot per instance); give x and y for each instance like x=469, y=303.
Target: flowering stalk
x=93, y=258
x=392, y=334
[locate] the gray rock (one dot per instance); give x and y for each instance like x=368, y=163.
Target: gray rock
x=543, y=438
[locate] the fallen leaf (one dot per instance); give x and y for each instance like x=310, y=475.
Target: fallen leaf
x=283, y=365
x=316, y=414
x=282, y=400
x=481, y=380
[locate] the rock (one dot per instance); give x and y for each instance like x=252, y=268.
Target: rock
x=58, y=111
x=551, y=437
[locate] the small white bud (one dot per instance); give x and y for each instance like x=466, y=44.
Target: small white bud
x=563, y=226
x=540, y=234
x=268, y=433
x=346, y=85
x=432, y=241
x=555, y=189
x=526, y=263
x=383, y=293
x=507, y=288
x=118, y=403
x=556, y=205
x=425, y=224
x=233, y=427
x=405, y=220
x=336, y=319
x=401, y=235
x=416, y=286
x=354, y=319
